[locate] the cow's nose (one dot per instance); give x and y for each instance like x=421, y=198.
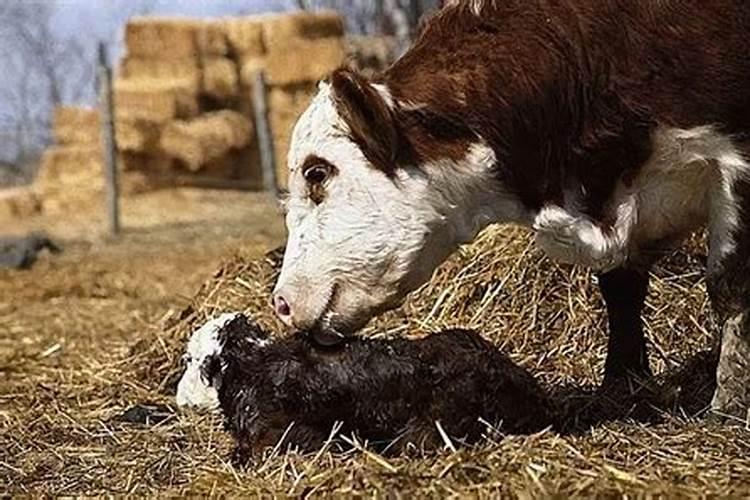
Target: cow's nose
x=283, y=311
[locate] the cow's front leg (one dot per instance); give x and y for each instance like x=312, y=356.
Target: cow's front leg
x=624, y=291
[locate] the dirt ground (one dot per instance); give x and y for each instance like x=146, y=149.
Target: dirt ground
x=76, y=331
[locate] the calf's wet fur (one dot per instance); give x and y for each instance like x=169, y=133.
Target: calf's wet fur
x=391, y=394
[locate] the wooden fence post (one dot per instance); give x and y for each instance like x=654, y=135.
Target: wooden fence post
x=263, y=131
x=109, y=141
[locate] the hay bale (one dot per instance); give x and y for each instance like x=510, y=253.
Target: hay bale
x=220, y=78
x=137, y=182
x=154, y=164
x=66, y=166
x=248, y=67
x=69, y=177
x=212, y=39
x=245, y=35
x=185, y=70
x=19, y=203
x=282, y=30
x=161, y=38
x=198, y=142
x=291, y=100
x=135, y=134
x=305, y=61
x=76, y=125
x=281, y=150
x=156, y=100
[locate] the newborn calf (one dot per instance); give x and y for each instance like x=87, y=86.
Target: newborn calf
x=390, y=393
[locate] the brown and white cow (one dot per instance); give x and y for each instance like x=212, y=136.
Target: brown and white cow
x=612, y=128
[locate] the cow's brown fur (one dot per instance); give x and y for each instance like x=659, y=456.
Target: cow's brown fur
x=567, y=93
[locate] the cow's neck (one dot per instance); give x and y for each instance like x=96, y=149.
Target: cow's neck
x=467, y=194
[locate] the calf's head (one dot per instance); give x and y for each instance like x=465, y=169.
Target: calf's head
x=367, y=222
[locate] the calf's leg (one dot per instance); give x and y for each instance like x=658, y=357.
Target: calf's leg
x=624, y=291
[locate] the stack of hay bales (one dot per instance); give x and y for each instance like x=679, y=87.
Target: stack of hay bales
x=371, y=55
x=70, y=172
x=195, y=80
x=176, y=102
x=183, y=103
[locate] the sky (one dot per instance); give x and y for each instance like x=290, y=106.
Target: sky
x=99, y=19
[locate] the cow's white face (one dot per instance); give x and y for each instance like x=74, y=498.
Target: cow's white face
x=360, y=236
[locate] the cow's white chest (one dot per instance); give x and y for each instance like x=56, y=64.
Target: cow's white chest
x=686, y=184
x=671, y=192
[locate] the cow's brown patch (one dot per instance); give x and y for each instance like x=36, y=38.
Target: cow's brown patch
x=566, y=93
x=372, y=123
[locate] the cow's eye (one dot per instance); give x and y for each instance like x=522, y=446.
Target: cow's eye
x=317, y=174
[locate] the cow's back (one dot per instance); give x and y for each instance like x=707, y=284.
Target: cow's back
x=686, y=61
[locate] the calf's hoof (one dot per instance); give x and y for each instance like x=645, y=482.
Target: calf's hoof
x=731, y=401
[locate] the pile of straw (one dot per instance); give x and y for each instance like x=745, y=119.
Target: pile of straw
x=550, y=319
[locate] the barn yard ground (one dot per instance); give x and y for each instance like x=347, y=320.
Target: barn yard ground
x=99, y=329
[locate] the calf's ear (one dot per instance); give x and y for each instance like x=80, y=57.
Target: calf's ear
x=371, y=120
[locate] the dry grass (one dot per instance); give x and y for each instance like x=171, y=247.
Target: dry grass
x=59, y=436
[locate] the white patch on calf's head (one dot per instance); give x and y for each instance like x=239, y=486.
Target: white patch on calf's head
x=194, y=390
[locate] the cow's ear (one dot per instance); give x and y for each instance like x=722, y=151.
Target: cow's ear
x=371, y=120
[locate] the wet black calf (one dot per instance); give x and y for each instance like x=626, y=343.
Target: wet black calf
x=390, y=393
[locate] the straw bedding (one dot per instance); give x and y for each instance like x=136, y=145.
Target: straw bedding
x=546, y=317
